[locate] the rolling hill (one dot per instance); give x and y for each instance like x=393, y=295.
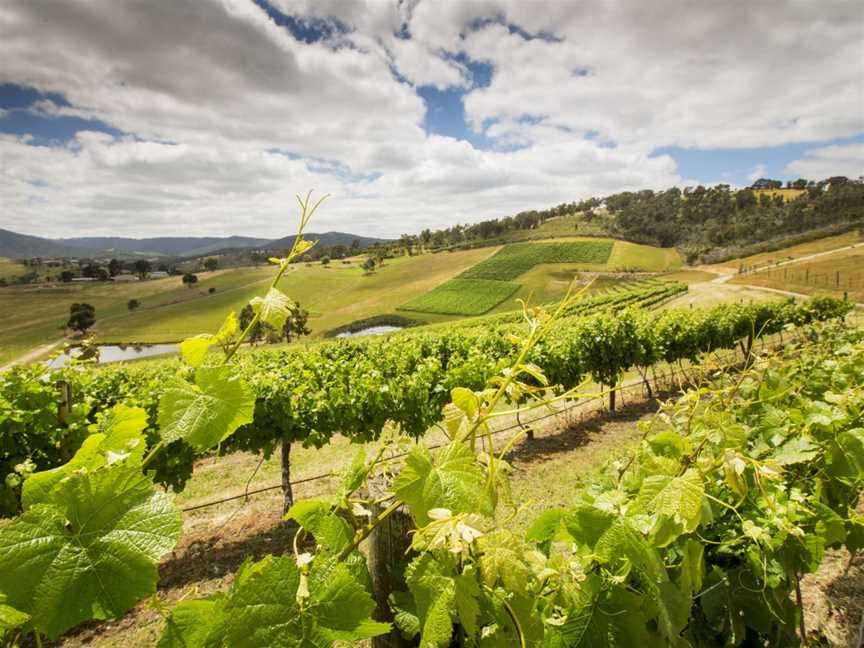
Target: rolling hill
x=23, y=246
x=164, y=245
x=327, y=239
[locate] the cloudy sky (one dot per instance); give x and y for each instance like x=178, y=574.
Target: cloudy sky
x=194, y=117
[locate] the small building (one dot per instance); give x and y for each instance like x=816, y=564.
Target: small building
x=83, y=279
x=158, y=274
x=125, y=277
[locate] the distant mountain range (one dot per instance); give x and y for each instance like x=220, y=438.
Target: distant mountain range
x=23, y=246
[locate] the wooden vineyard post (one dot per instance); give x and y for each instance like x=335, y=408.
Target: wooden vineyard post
x=64, y=407
x=287, y=493
x=529, y=431
x=389, y=543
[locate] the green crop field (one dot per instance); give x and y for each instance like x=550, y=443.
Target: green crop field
x=462, y=297
x=514, y=260
x=545, y=271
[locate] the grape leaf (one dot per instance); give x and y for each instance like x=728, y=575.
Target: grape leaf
x=500, y=561
x=10, y=618
x=847, y=455
x=119, y=438
x=671, y=499
x=318, y=517
x=797, y=450
x=435, y=596
x=263, y=609
x=195, y=624
x=194, y=349
x=208, y=412
x=454, y=480
x=89, y=550
x=273, y=308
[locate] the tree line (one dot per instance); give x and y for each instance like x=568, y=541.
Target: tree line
x=706, y=223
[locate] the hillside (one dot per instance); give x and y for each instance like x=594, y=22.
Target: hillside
x=706, y=224
x=164, y=245
x=325, y=240
x=24, y=246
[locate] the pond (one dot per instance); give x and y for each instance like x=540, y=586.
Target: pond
x=370, y=330
x=116, y=353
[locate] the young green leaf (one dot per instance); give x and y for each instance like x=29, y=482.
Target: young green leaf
x=205, y=413
x=273, y=308
x=453, y=480
x=119, y=438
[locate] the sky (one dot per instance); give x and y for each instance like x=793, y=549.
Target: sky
x=206, y=117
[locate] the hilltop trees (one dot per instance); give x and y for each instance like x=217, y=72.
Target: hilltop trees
x=81, y=317
x=143, y=267
x=714, y=221
x=211, y=263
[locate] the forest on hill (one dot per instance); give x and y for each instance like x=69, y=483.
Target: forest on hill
x=707, y=224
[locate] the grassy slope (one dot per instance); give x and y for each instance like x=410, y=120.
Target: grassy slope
x=797, y=251
x=34, y=315
x=788, y=194
x=31, y=316
x=835, y=275
x=10, y=268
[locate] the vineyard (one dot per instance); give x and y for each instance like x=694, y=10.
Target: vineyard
x=485, y=285
x=462, y=297
x=699, y=537
x=516, y=259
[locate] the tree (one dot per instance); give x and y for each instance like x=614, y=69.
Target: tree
x=66, y=276
x=190, y=279
x=325, y=260
x=355, y=246
x=296, y=323
x=767, y=183
x=211, y=290
x=142, y=267
x=114, y=267
x=369, y=265
x=211, y=263
x=257, y=332
x=91, y=270
x=132, y=304
x=81, y=317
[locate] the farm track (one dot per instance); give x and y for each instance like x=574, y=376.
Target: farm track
x=33, y=355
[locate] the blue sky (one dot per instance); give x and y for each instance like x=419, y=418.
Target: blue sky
x=136, y=119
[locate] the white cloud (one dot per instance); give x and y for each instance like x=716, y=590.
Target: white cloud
x=209, y=90
x=841, y=159
x=759, y=171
